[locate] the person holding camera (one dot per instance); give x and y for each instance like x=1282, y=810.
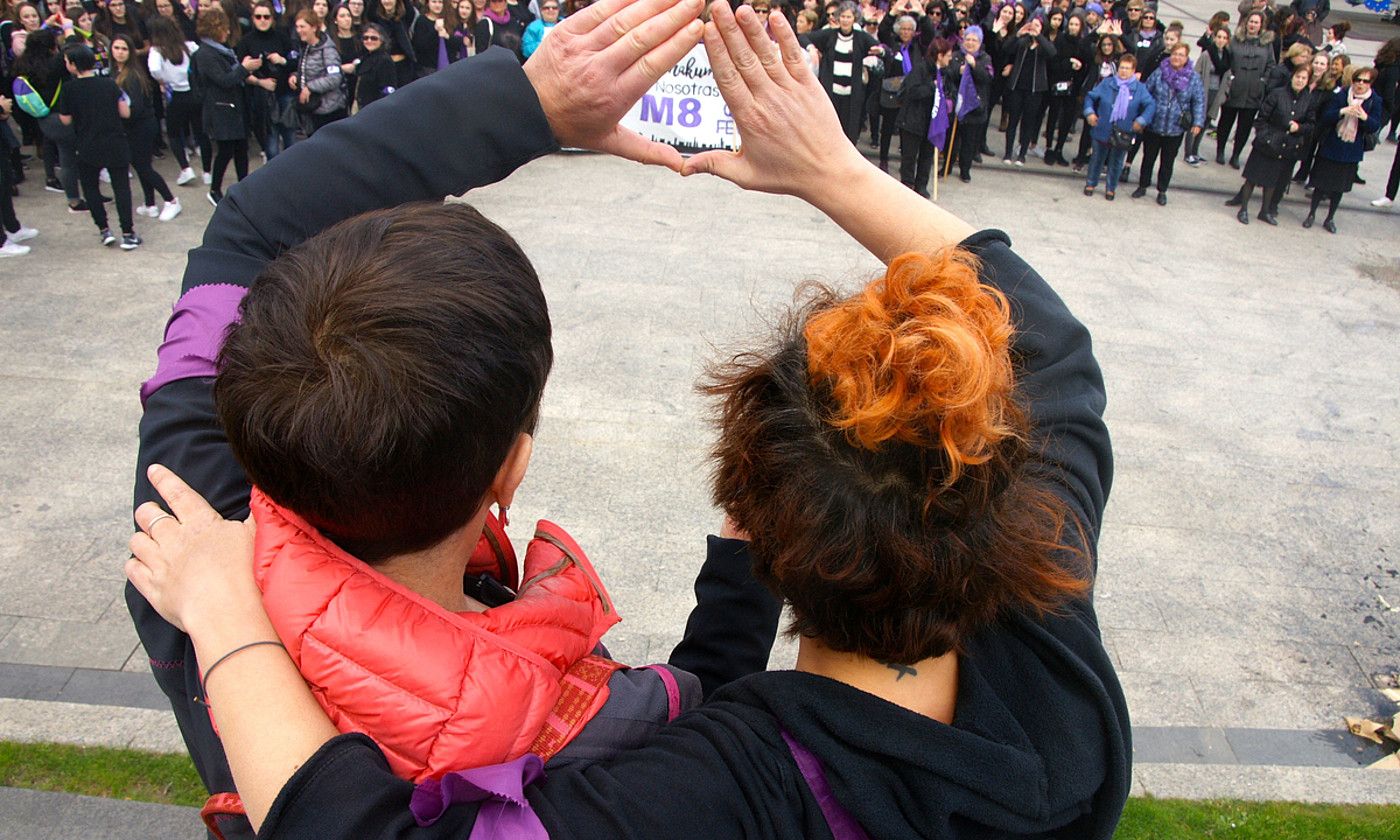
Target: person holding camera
x=270, y=111
x=1026, y=84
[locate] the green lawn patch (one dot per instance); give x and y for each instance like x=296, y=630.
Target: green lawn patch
x=101, y=771
x=171, y=779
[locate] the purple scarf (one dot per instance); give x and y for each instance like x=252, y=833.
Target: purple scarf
x=502, y=18
x=968, y=98
x=938, y=128
x=904, y=57
x=1120, y=102
x=442, y=53
x=1177, y=80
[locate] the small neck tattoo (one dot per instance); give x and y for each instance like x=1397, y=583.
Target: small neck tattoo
x=901, y=671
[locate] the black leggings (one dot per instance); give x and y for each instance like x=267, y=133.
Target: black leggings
x=1086, y=144
x=969, y=142
x=184, y=119
x=888, y=130
x=1153, y=144
x=1228, y=116
x=1023, y=106
x=121, y=190
x=1333, y=199
x=225, y=151
x=141, y=139
x=915, y=160
x=8, y=220
x=1059, y=120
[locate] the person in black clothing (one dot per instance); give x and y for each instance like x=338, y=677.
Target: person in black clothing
x=431, y=36
x=1023, y=731
x=271, y=115
x=900, y=57
x=1281, y=131
x=114, y=18
x=43, y=66
x=223, y=80
x=141, y=128
x=929, y=88
x=1066, y=75
x=502, y=24
x=395, y=17
x=971, y=132
x=1026, y=86
x=95, y=107
x=375, y=76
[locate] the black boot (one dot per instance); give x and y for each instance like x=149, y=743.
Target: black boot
x=1308, y=220
x=1243, y=216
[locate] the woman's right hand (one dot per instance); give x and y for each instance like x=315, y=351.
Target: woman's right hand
x=792, y=142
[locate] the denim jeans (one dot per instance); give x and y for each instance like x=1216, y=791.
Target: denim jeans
x=1114, y=157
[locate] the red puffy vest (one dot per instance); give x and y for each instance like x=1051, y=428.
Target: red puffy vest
x=437, y=690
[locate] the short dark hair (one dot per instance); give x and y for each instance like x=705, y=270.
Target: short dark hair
x=81, y=55
x=880, y=461
x=381, y=372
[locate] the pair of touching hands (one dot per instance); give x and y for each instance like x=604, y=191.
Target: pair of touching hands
x=191, y=563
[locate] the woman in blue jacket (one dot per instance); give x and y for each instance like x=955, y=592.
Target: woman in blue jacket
x=1180, y=96
x=1122, y=102
x=1347, y=118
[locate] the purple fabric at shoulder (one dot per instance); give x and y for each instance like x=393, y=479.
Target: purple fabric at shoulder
x=673, y=690
x=843, y=826
x=504, y=813
x=194, y=334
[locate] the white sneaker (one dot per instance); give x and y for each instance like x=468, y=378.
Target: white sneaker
x=208, y=179
x=148, y=210
x=172, y=209
x=105, y=176
x=186, y=175
x=1382, y=202
x=12, y=248
x=24, y=234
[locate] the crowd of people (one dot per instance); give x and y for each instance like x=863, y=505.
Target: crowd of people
x=1280, y=82
x=98, y=90
x=198, y=81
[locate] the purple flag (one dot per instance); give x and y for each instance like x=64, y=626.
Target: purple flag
x=968, y=100
x=938, y=127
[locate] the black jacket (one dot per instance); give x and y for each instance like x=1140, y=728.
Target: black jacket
x=222, y=87
x=1035, y=61
x=981, y=78
x=1280, y=107
x=263, y=44
x=1039, y=745
x=375, y=78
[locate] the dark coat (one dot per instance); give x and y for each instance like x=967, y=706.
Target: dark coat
x=1061, y=70
x=376, y=77
x=1031, y=55
x=1250, y=59
x=1331, y=146
x=981, y=79
x=222, y=86
x=916, y=97
x=1280, y=107
x=425, y=45
x=509, y=35
x=825, y=42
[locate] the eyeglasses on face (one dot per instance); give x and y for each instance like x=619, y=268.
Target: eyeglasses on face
x=1361, y=80
x=370, y=39
x=262, y=17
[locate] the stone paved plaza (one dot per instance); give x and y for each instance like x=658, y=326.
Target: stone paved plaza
x=1249, y=571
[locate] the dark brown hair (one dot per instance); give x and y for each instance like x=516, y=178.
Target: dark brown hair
x=212, y=22
x=880, y=461
x=381, y=372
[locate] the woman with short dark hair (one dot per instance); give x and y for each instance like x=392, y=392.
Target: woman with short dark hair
x=1281, y=133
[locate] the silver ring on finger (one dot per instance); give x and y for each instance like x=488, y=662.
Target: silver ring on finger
x=150, y=526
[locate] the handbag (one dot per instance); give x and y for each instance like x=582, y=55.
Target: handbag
x=1370, y=141
x=889, y=91
x=310, y=105
x=1122, y=138
x=1062, y=88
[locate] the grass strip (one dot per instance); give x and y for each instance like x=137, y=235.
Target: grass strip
x=102, y=771
x=171, y=780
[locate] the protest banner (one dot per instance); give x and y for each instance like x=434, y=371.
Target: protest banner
x=684, y=109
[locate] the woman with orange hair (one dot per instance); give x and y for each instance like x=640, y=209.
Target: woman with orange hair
x=919, y=470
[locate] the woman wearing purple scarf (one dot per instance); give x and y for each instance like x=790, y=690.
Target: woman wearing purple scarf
x=1118, y=102
x=1181, y=107
x=972, y=68
x=925, y=114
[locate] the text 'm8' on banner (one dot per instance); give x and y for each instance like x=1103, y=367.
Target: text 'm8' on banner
x=684, y=109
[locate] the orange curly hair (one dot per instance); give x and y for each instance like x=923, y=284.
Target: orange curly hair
x=920, y=356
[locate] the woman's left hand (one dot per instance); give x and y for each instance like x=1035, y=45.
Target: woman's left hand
x=191, y=562
x=305, y=95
